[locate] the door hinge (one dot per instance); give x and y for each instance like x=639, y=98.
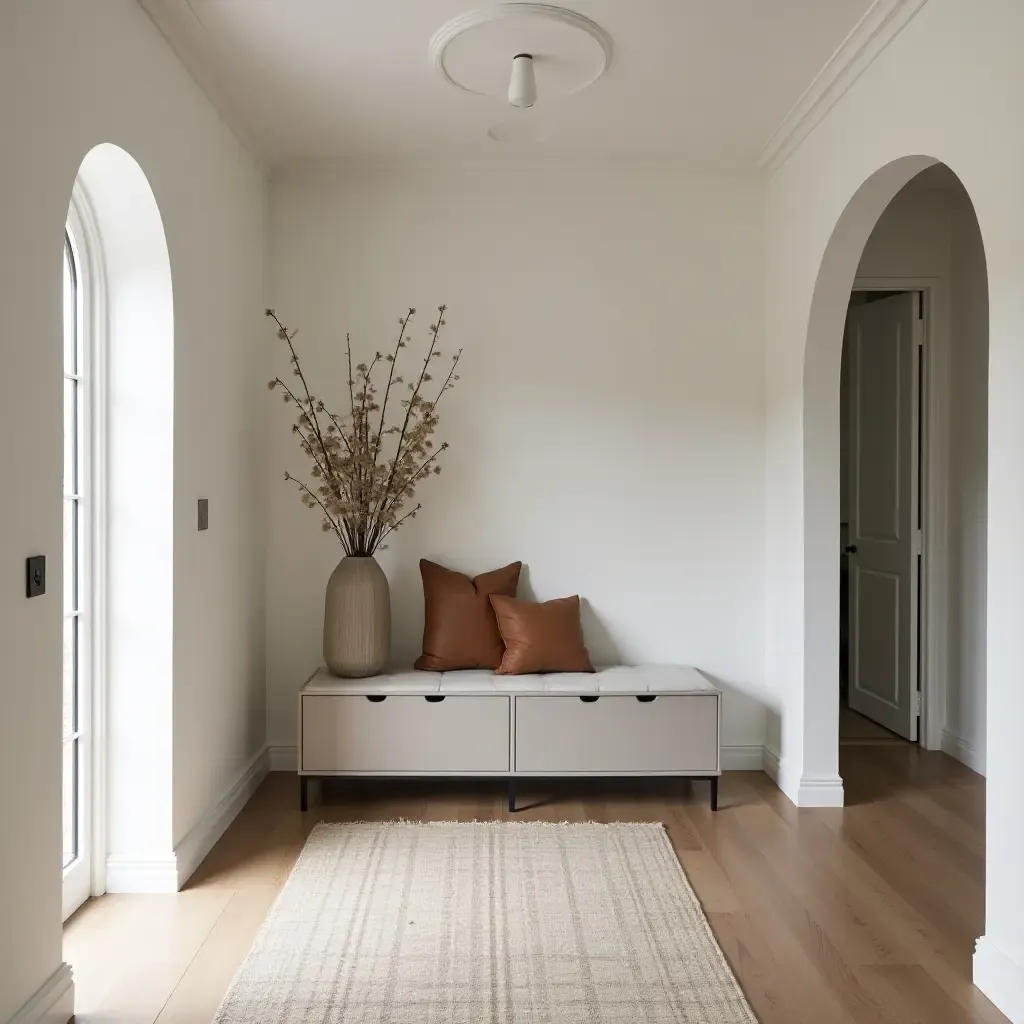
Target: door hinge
x=918, y=543
x=916, y=704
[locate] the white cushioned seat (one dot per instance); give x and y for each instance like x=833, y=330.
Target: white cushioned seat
x=391, y=682
x=570, y=682
x=608, y=679
x=467, y=681
x=485, y=681
x=652, y=679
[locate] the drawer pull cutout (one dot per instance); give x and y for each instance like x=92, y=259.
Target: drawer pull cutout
x=375, y=698
x=646, y=699
x=434, y=698
x=588, y=700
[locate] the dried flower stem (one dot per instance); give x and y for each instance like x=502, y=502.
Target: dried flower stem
x=360, y=496
x=434, y=329
x=422, y=471
x=289, y=337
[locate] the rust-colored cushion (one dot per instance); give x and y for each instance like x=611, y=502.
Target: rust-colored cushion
x=460, y=630
x=541, y=637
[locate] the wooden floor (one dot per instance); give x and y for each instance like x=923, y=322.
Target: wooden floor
x=867, y=914
x=857, y=730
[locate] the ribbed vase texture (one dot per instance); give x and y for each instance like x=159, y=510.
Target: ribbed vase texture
x=357, y=619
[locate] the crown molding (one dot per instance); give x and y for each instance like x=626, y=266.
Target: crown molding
x=881, y=24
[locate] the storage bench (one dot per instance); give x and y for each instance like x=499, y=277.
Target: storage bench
x=619, y=721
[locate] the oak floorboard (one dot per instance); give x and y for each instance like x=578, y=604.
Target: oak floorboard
x=861, y=915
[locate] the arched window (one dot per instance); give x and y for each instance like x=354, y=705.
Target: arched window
x=78, y=591
x=125, y=503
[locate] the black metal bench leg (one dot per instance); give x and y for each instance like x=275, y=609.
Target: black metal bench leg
x=512, y=795
x=304, y=792
x=714, y=792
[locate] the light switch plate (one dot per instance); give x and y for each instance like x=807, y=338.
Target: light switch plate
x=204, y=513
x=35, y=576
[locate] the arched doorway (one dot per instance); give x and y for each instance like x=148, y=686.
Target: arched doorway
x=128, y=596
x=931, y=593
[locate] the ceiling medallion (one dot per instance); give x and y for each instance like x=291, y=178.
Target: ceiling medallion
x=552, y=52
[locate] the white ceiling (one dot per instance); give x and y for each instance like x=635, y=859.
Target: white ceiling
x=696, y=82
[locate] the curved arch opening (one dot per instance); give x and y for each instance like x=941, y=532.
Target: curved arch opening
x=938, y=644
x=132, y=357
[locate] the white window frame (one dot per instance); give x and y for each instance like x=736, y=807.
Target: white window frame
x=90, y=879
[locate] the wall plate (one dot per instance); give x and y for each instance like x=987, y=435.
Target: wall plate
x=35, y=576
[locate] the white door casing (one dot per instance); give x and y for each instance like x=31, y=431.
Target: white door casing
x=77, y=575
x=884, y=533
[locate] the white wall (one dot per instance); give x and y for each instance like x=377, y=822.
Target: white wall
x=907, y=103
x=73, y=75
x=608, y=427
x=930, y=230
x=968, y=490
x=912, y=237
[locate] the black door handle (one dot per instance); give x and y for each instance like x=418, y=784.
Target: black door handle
x=850, y=549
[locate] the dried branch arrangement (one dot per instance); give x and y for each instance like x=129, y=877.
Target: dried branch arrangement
x=365, y=469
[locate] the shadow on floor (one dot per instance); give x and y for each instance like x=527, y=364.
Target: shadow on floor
x=880, y=772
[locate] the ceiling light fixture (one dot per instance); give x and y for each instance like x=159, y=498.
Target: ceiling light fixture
x=470, y=52
x=522, y=88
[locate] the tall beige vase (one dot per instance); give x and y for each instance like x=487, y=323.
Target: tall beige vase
x=357, y=618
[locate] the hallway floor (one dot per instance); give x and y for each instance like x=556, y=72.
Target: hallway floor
x=858, y=730
x=866, y=914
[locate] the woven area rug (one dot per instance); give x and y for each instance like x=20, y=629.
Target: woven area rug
x=466, y=923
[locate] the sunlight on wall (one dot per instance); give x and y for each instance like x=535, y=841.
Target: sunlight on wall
x=138, y=468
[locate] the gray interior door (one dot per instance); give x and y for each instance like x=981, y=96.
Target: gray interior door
x=884, y=534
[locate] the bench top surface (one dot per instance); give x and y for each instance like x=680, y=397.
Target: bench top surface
x=625, y=679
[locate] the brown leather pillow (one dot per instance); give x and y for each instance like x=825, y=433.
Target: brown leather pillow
x=541, y=637
x=460, y=630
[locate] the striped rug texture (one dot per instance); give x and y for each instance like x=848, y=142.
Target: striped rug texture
x=486, y=923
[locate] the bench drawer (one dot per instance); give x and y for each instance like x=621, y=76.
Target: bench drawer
x=405, y=734
x=617, y=735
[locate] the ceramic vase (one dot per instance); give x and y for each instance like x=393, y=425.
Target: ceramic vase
x=357, y=618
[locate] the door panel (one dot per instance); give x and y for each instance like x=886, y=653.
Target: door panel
x=884, y=436
x=877, y=610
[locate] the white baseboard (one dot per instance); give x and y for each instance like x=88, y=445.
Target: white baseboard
x=156, y=874
x=819, y=791
x=283, y=758
x=743, y=757
x=53, y=1003
x=199, y=839
x=1000, y=978
x=803, y=790
x=165, y=873
x=963, y=750
x=783, y=774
